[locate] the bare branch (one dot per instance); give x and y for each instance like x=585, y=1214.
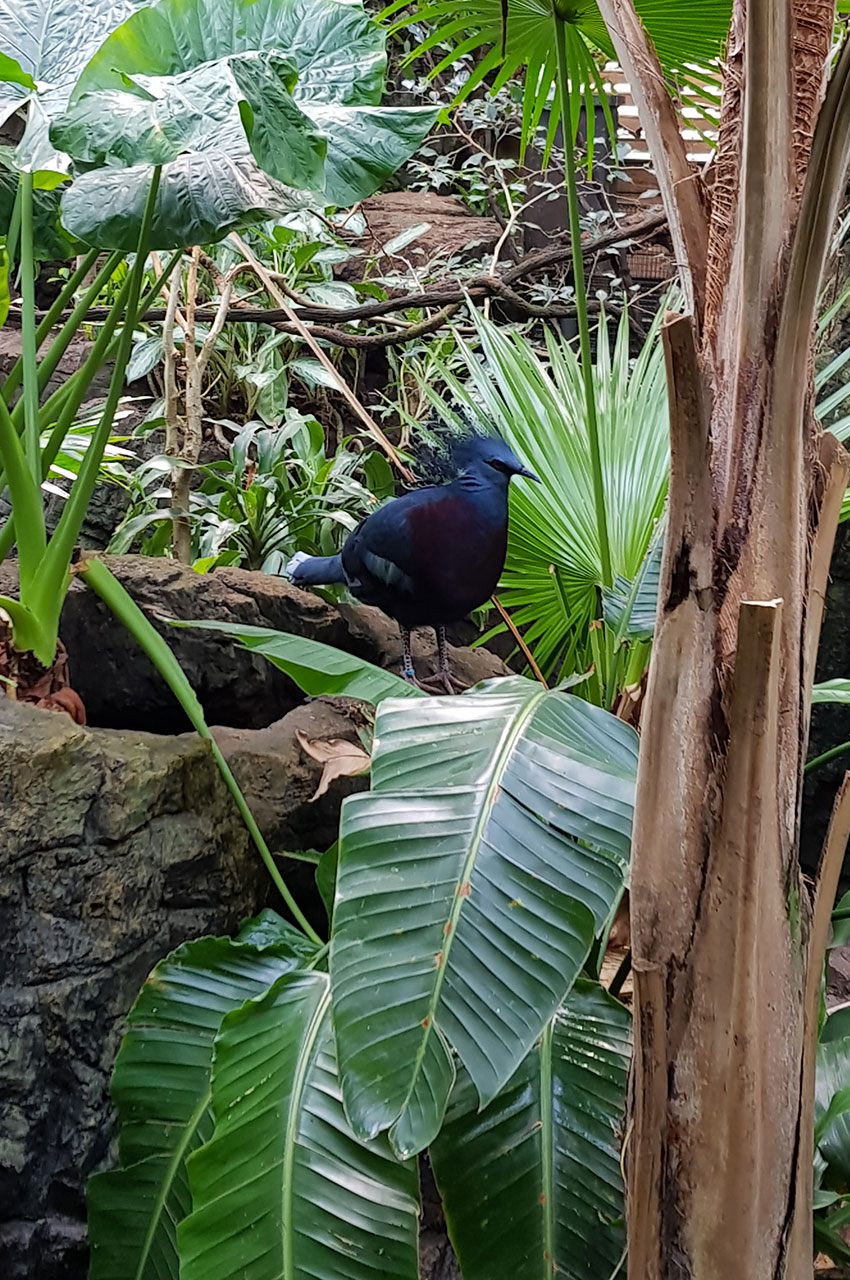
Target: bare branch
x=366, y=418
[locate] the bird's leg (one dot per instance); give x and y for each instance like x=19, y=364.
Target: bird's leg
x=443, y=681
x=407, y=672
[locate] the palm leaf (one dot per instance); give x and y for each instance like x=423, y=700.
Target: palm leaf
x=541, y=1163
x=687, y=50
x=553, y=571
x=472, y=881
x=161, y=1087
x=284, y=1191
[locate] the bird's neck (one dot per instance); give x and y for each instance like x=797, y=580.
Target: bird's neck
x=488, y=491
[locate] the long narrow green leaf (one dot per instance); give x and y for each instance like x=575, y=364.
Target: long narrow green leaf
x=25, y=493
x=472, y=881
x=316, y=668
x=49, y=588
x=28, y=348
x=13, y=379
x=531, y=1185
x=161, y=1088
x=284, y=1191
x=48, y=364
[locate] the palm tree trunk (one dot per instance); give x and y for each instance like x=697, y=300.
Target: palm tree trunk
x=725, y=936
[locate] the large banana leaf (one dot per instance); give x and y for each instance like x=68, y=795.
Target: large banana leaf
x=472, y=881
x=223, y=56
x=51, y=41
x=553, y=570
x=161, y=1087
x=832, y=1083
x=531, y=1186
x=316, y=668
x=519, y=35
x=284, y=1191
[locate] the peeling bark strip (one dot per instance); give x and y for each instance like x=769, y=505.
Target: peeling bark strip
x=727, y=949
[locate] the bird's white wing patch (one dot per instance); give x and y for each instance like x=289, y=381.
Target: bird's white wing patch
x=387, y=572
x=292, y=565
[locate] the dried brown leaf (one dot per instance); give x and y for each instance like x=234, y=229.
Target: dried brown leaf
x=338, y=757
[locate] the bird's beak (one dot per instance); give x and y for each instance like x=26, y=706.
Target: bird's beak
x=529, y=475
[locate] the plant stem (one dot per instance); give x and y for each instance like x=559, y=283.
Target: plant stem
x=13, y=378
x=48, y=593
x=28, y=347
x=14, y=230
x=125, y=609
x=59, y=345
x=570, y=183
x=832, y=754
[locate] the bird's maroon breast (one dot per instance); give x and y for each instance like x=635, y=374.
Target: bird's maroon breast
x=460, y=556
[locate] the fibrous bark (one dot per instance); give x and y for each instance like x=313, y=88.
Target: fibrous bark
x=725, y=954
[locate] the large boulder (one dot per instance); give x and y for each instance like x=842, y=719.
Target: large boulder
x=118, y=683
x=122, y=690
x=114, y=848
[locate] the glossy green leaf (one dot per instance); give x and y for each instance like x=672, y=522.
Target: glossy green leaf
x=161, y=1087
x=316, y=668
x=202, y=196
x=472, y=881
x=284, y=1191
x=531, y=1185
x=50, y=41
x=175, y=46
x=337, y=47
x=366, y=145
x=208, y=108
x=831, y=1079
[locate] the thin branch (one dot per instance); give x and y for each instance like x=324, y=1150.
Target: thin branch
x=512, y=627
x=169, y=376
x=440, y=296
x=366, y=418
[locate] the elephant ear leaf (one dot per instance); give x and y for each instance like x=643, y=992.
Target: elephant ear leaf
x=472, y=881
x=253, y=108
x=46, y=44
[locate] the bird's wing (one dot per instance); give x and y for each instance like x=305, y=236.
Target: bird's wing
x=384, y=544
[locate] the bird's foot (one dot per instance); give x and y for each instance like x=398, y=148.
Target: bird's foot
x=441, y=682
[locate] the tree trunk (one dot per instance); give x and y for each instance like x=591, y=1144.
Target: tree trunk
x=726, y=954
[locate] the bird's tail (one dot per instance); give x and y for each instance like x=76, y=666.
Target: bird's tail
x=314, y=571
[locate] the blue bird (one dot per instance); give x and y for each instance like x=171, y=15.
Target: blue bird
x=431, y=556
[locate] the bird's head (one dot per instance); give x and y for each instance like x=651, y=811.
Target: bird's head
x=488, y=457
